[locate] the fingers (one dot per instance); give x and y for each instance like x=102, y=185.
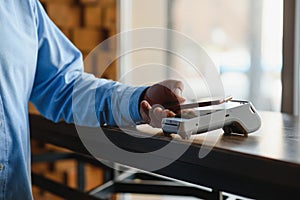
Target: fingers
x=188, y=113
x=157, y=113
x=162, y=113
x=154, y=115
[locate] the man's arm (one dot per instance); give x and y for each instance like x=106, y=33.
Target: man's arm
x=63, y=91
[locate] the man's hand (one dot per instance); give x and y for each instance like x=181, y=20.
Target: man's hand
x=159, y=96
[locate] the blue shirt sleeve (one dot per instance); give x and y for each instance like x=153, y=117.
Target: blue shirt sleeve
x=62, y=90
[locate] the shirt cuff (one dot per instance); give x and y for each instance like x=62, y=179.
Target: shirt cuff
x=134, y=103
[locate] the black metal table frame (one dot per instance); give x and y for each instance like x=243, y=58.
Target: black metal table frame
x=124, y=182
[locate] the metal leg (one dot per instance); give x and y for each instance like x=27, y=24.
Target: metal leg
x=80, y=176
x=217, y=194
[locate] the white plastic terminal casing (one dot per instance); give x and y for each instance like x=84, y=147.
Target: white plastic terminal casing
x=237, y=117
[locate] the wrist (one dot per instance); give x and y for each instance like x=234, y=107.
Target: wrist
x=143, y=114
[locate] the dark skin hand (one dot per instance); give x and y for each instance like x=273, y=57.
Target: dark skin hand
x=157, y=97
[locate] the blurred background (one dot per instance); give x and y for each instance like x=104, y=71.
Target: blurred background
x=242, y=37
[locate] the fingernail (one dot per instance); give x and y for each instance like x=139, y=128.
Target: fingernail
x=178, y=92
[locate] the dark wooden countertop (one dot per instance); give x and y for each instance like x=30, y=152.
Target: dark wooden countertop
x=266, y=164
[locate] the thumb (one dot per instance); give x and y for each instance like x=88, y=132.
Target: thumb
x=145, y=108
